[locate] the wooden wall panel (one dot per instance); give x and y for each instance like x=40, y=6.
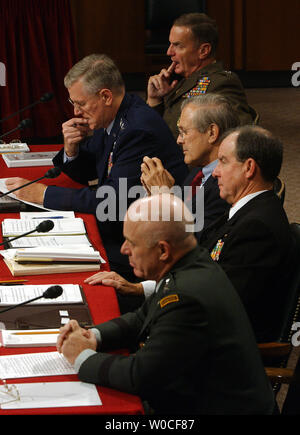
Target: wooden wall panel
x=255, y=35
x=272, y=34
x=112, y=27
x=221, y=11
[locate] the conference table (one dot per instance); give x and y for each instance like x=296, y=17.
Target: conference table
x=102, y=302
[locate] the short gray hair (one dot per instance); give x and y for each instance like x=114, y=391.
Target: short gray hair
x=213, y=109
x=96, y=71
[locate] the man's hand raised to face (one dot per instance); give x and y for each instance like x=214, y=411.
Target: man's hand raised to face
x=160, y=85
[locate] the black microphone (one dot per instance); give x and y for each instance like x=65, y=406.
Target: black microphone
x=51, y=173
x=44, y=98
x=42, y=227
x=52, y=292
x=23, y=124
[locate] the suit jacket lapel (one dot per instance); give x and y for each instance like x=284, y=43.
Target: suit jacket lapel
x=153, y=306
x=110, y=143
x=222, y=225
x=166, y=286
x=106, y=145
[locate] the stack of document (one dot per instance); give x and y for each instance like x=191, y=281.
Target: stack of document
x=65, y=226
x=13, y=147
x=36, y=261
x=51, y=240
x=67, y=230
x=29, y=337
x=34, y=364
x=29, y=159
x=54, y=395
x=17, y=294
x=65, y=248
x=76, y=253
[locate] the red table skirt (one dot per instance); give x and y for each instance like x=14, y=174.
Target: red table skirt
x=102, y=303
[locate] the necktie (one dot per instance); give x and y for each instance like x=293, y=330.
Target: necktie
x=196, y=181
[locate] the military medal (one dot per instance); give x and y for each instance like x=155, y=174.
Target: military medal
x=215, y=253
x=110, y=163
x=200, y=88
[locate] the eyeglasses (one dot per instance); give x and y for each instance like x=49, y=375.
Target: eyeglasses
x=8, y=393
x=184, y=132
x=80, y=106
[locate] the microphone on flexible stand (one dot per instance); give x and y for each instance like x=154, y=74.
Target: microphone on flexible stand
x=23, y=124
x=44, y=98
x=52, y=292
x=51, y=173
x=42, y=227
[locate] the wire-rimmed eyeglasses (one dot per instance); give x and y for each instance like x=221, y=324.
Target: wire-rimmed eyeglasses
x=8, y=393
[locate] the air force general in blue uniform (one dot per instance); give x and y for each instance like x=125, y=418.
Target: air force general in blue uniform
x=114, y=156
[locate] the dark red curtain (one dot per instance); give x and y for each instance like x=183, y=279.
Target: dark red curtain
x=37, y=47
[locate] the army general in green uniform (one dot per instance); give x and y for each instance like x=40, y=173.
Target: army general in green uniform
x=195, y=71
x=192, y=349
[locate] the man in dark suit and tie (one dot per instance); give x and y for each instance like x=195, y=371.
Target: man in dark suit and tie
x=106, y=140
x=202, y=122
x=252, y=243
x=192, y=349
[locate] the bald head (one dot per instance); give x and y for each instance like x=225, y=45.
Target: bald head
x=158, y=231
x=163, y=216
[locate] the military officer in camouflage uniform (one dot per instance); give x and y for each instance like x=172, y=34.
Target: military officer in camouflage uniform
x=195, y=71
x=192, y=348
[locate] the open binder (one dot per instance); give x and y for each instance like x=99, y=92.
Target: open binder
x=46, y=316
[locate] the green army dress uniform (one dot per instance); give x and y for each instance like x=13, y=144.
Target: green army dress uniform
x=192, y=349
x=212, y=78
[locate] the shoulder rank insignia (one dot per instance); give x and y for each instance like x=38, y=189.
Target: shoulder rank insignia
x=168, y=300
x=200, y=88
x=215, y=253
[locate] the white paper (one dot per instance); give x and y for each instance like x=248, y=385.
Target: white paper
x=4, y=189
x=55, y=395
x=35, y=158
x=14, y=147
x=51, y=241
x=29, y=337
x=16, y=294
x=71, y=253
x=30, y=365
x=16, y=227
x=45, y=214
